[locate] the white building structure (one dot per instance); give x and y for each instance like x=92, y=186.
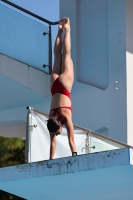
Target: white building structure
x=102, y=96
x=102, y=50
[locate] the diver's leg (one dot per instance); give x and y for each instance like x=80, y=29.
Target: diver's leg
x=67, y=73
x=57, y=56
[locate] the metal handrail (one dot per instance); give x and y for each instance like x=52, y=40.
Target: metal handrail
x=44, y=20
x=92, y=133
x=30, y=13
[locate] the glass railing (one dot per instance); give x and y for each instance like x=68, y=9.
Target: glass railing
x=38, y=141
x=25, y=39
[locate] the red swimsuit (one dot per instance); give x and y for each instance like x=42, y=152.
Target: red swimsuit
x=57, y=87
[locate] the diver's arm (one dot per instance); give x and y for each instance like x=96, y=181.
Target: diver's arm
x=70, y=133
x=52, y=145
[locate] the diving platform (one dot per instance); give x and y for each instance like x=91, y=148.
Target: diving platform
x=104, y=176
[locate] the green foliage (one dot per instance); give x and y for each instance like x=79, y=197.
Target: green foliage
x=7, y=196
x=11, y=151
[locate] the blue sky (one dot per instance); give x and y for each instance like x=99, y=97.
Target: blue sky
x=48, y=9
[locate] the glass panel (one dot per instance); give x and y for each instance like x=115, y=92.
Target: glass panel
x=22, y=38
x=97, y=145
x=86, y=142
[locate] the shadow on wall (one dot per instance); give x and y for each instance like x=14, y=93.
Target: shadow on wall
x=103, y=131
x=129, y=26
x=93, y=47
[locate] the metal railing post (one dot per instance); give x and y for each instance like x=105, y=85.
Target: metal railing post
x=27, y=145
x=50, y=50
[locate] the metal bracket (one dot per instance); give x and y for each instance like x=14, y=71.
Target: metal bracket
x=35, y=126
x=87, y=146
x=46, y=66
x=44, y=33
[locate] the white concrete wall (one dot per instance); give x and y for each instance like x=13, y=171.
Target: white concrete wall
x=102, y=52
x=98, y=30
x=20, y=86
x=25, y=75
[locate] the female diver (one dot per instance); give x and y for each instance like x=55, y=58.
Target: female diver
x=62, y=78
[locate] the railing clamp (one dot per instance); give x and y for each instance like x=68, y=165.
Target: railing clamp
x=46, y=66
x=35, y=126
x=44, y=33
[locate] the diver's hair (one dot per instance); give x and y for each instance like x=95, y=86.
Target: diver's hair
x=53, y=124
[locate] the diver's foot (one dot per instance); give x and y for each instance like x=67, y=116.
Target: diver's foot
x=61, y=25
x=66, y=24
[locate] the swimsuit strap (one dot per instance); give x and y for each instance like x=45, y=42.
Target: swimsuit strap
x=56, y=109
